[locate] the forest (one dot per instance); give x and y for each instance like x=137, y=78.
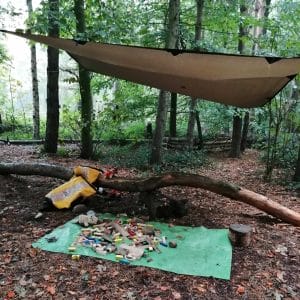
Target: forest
x=197, y=154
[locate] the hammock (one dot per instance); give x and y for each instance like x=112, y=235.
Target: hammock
x=242, y=81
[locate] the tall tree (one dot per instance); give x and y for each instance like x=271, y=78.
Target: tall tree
x=162, y=107
x=173, y=115
x=85, y=88
x=237, y=120
x=245, y=131
x=35, y=84
x=260, y=12
x=297, y=171
x=193, y=101
x=52, y=122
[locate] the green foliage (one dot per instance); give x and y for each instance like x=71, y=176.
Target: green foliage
x=137, y=156
x=69, y=126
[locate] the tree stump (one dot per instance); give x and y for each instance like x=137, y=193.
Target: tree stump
x=240, y=235
x=161, y=207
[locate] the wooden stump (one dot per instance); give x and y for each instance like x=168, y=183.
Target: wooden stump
x=161, y=207
x=240, y=235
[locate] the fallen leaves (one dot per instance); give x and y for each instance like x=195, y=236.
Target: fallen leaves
x=46, y=277
x=10, y=294
x=240, y=289
x=51, y=289
x=272, y=264
x=176, y=295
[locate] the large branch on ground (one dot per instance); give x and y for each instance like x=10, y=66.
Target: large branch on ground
x=36, y=169
x=149, y=184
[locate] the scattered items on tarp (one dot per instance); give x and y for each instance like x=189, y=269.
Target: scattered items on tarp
x=240, y=235
x=199, y=252
x=88, y=219
x=128, y=239
x=52, y=239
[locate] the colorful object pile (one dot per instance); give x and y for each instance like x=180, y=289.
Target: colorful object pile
x=128, y=239
x=199, y=251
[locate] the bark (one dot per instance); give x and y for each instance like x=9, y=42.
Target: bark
x=191, y=123
x=85, y=89
x=199, y=128
x=159, y=129
x=259, y=11
x=297, y=171
x=198, y=25
x=52, y=122
x=242, y=29
x=245, y=132
x=266, y=16
x=35, y=85
x=169, y=179
x=173, y=115
x=40, y=169
x=236, y=137
x=193, y=101
x=162, y=107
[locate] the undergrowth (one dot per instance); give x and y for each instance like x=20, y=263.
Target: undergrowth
x=137, y=156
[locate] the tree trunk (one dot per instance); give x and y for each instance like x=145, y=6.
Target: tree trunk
x=193, y=101
x=259, y=12
x=297, y=171
x=245, y=132
x=237, y=120
x=173, y=115
x=191, y=123
x=35, y=85
x=85, y=89
x=266, y=16
x=169, y=179
x=199, y=128
x=242, y=29
x=236, y=137
x=159, y=129
x=52, y=123
x=173, y=28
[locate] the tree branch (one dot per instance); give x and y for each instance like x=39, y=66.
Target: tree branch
x=149, y=184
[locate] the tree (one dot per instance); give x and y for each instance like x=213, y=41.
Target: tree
x=193, y=101
x=245, y=131
x=173, y=27
x=85, y=88
x=297, y=171
x=260, y=12
x=173, y=115
x=35, y=85
x=237, y=120
x=52, y=123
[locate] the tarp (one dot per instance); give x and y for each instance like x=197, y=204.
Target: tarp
x=242, y=81
x=200, y=251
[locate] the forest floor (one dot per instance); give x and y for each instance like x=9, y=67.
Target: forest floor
x=267, y=269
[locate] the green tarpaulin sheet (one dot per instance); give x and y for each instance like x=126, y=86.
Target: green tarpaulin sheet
x=199, y=252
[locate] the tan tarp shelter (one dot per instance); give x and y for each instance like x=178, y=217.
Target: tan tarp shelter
x=242, y=81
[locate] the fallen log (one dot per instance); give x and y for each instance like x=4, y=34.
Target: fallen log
x=226, y=189
x=26, y=169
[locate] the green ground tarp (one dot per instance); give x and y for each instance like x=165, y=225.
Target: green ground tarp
x=200, y=251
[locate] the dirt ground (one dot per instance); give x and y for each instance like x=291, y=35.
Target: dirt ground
x=268, y=269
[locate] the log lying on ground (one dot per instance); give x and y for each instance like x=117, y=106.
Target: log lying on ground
x=36, y=169
x=149, y=184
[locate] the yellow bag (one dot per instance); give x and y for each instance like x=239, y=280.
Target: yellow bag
x=65, y=194
x=89, y=174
